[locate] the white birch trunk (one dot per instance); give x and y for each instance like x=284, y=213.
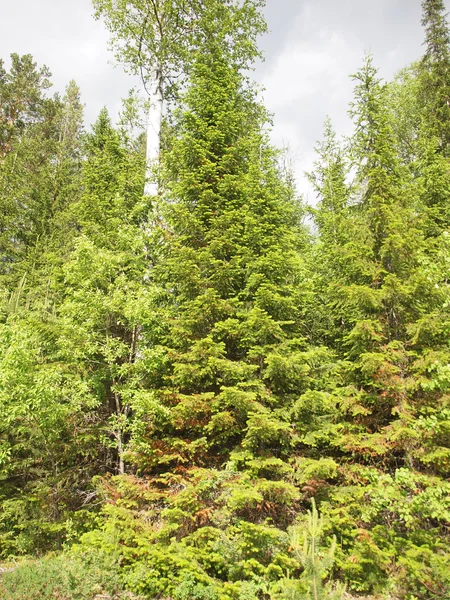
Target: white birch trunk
x=155, y=117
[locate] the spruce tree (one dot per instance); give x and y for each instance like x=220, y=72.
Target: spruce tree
x=435, y=71
x=380, y=295
x=434, y=133
x=103, y=279
x=227, y=269
x=40, y=169
x=334, y=231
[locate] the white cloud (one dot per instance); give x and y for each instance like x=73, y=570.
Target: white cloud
x=63, y=35
x=308, y=74
x=307, y=81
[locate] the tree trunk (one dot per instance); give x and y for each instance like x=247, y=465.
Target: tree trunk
x=155, y=116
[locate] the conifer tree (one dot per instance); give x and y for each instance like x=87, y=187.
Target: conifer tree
x=25, y=115
x=329, y=181
x=39, y=175
x=223, y=359
x=317, y=563
x=103, y=276
x=379, y=295
x=436, y=71
x=386, y=297
x=22, y=98
x=227, y=271
x=434, y=134
x=335, y=231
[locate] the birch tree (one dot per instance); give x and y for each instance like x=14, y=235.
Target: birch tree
x=155, y=39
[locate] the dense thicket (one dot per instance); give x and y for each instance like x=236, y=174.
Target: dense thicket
x=198, y=391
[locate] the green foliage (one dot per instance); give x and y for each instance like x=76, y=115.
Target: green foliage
x=180, y=378
x=40, y=152
x=80, y=577
x=147, y=38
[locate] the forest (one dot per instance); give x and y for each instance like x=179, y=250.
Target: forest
x=209, y=389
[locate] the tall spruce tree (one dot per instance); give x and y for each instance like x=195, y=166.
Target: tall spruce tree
x=227, y=271
x=331, y=216
x=434, y=134
x=435, y=69
x=104, y=275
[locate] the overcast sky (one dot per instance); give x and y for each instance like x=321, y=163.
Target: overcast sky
x=313, y=47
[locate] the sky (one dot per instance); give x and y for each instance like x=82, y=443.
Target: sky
x=312, y=49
